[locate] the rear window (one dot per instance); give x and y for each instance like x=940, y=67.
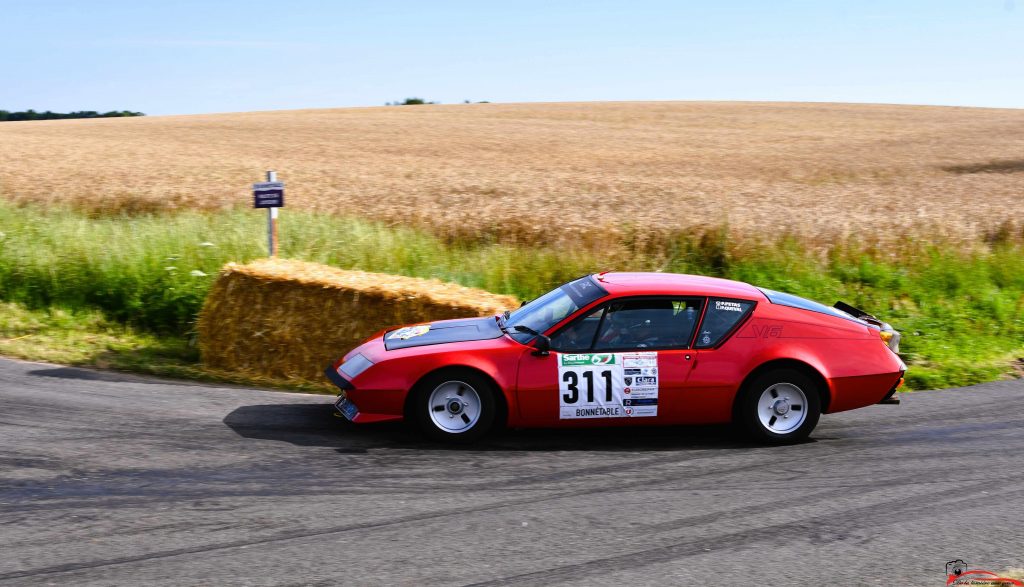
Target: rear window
x=785, y=299
x=719, y=320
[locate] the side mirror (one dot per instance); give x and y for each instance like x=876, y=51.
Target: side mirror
x=542, y=344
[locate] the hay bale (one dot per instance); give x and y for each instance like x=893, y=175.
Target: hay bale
x=286, y=320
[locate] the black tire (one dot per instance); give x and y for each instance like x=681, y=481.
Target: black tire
x=469, y=382
x=748, y=417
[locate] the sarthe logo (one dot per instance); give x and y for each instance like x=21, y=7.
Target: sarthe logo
x=958, y=573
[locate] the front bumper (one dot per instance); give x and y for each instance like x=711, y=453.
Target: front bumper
x=346, y=407
x=343, y=406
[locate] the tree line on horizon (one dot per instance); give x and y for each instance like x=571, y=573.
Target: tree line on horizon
x=418, y=101
x=6, y=116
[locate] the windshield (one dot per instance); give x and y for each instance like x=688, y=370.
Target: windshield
x=552, y=307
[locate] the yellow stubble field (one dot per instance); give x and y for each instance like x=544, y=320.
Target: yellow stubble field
x=542, y=172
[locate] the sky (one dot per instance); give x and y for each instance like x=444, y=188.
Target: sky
x=184, y=57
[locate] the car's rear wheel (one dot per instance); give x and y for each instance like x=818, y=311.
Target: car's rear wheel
x=779, y=406
x=455, y=406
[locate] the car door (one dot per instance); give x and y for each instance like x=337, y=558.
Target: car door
x=721, y=364
x=625, y=362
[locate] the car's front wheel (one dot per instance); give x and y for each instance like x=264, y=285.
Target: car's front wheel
x=779, y=406
x=455, y=406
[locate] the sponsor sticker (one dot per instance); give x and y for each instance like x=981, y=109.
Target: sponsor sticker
x=728, y=306
x=409, y=332
x=587, y=359
x=595, y=385
x=643, y=393
x=640, y=361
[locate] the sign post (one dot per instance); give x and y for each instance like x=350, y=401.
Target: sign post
x=269, y=195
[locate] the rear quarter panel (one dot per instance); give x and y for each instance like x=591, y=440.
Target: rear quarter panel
x=858, y=369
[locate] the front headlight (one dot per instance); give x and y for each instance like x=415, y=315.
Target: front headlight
x=354, y=366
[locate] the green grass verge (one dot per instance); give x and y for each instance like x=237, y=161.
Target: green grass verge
x=961, y=310
x=87, y=338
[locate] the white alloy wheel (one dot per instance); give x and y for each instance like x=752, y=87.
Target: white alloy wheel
x=455, y=406
x=782, y=408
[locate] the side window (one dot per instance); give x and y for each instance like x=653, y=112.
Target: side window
x=721, y=316
x=648, y=324
x=579, y=335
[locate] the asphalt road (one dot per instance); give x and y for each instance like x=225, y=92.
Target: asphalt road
x=108, y=479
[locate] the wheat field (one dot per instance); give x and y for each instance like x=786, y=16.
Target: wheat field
x=549, y=172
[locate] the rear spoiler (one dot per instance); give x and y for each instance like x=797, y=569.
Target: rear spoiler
x=857, y=313
x=887, y=332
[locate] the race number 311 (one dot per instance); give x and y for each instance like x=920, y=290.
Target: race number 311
x=572, y=383
x=593, y=385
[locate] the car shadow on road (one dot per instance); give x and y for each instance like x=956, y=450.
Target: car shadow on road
x=108, y=376
x=315, y=425
x=87, y=375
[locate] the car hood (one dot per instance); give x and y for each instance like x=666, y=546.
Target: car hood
x=442, y=332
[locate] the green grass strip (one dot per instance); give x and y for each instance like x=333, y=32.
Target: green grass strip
x=961, y=310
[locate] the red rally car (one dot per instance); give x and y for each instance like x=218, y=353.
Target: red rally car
x=628, y=348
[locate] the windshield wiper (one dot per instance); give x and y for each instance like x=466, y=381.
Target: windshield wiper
x=526, y=330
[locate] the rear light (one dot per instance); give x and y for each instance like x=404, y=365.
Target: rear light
x=890, y=337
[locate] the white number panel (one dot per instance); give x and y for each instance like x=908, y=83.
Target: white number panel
x=607, y=385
